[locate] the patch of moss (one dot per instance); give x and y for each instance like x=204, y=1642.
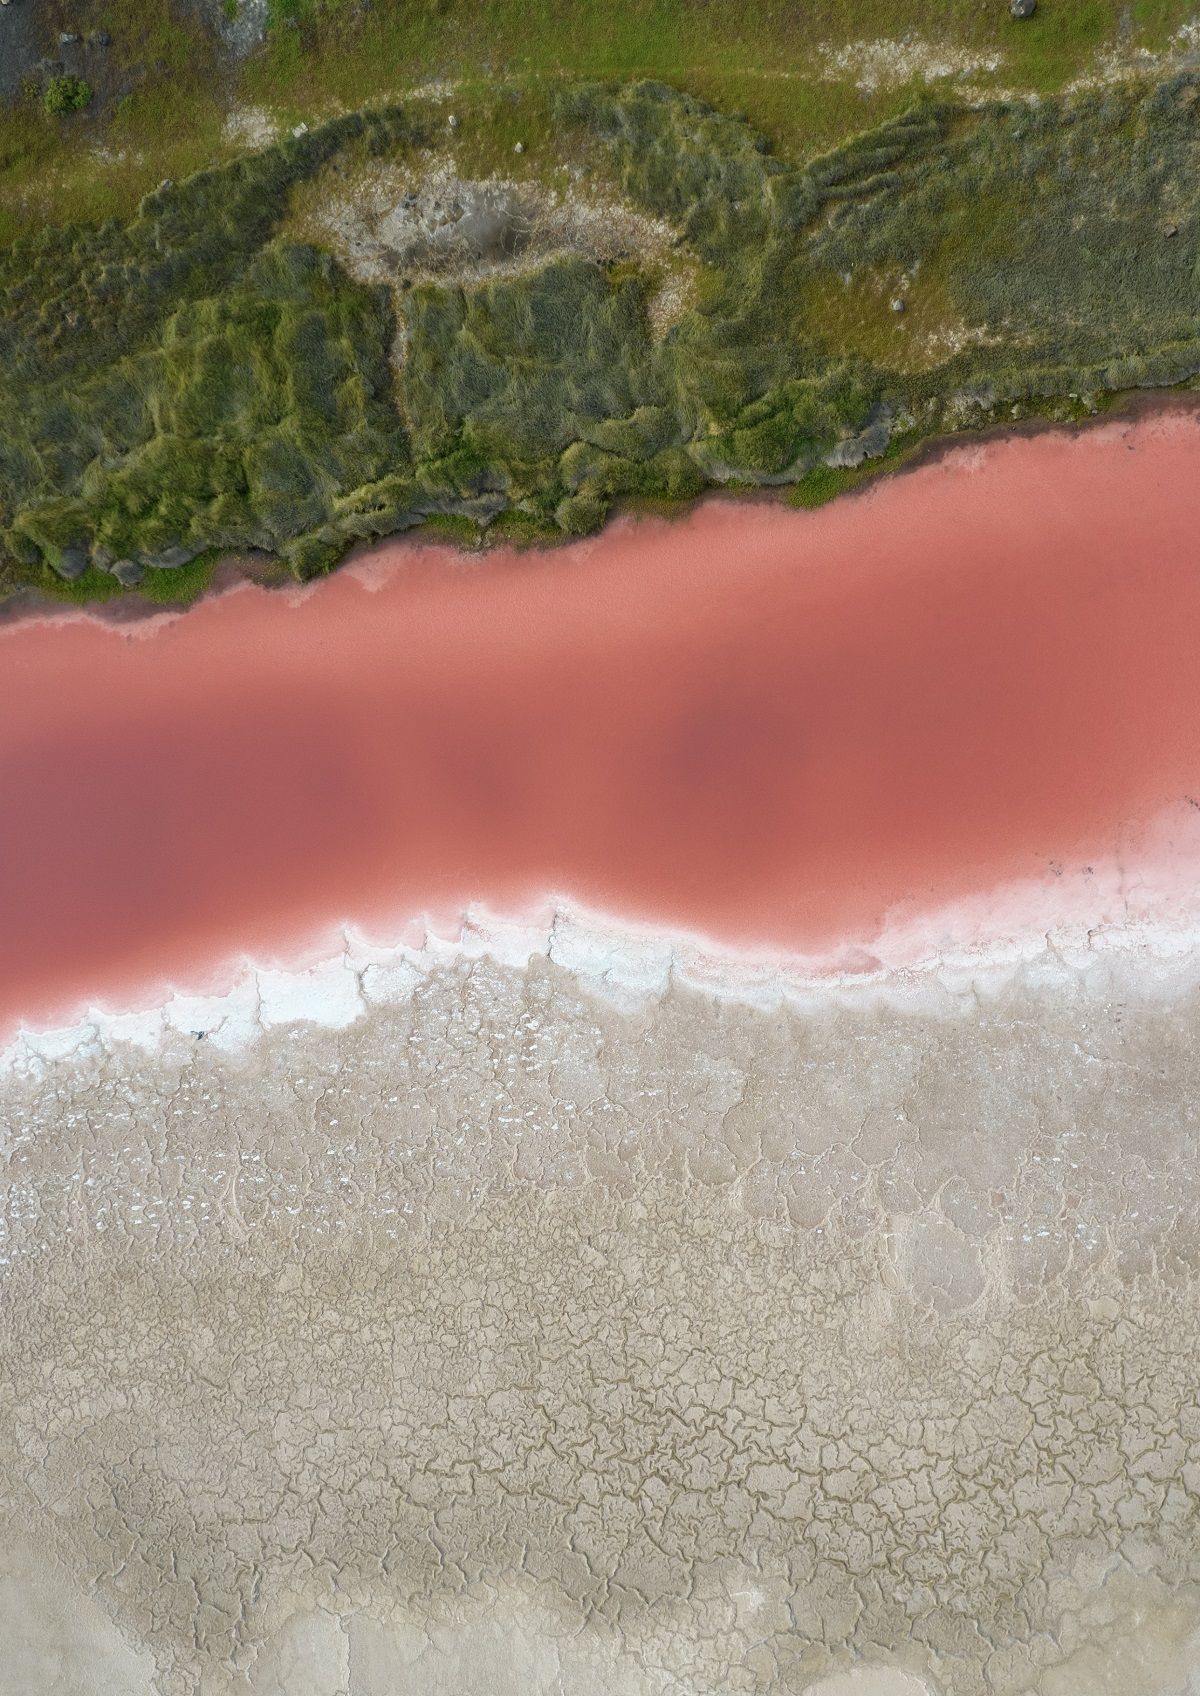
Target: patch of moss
x=824, y=483
x=516, y=529
x=90, y=589
x=183, y=585
x=179, y=587
x=449, y=527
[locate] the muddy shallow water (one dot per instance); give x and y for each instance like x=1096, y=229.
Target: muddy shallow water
x=765, y=726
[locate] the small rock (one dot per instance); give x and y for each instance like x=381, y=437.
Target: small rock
x=1023, y=8
x=300, y=129
x=167, y=182
x=68, y=38
x=1171, y=230
x=518, y=147
x=100, y=39
x=452, y=120
x=128, y=573
x=897, y=304
x=71, y=562
x=102, y=557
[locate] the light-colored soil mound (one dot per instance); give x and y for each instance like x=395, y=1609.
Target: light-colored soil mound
x=396, y=224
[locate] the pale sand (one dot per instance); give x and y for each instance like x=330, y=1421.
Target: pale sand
x=507, y=1342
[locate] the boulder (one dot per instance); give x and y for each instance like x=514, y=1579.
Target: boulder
x=128, y=573
x=70, y=562
x=871, y=442
x=170, y=559
x=1023, y=8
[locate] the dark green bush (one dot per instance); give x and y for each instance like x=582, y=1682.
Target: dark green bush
x=66, y=94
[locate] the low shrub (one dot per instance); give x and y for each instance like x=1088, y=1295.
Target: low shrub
x=66, y=94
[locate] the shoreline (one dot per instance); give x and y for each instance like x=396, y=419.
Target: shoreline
x=944, y=964
x=233, y=571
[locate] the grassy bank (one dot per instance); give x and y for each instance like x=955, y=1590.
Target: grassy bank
x=202, y=374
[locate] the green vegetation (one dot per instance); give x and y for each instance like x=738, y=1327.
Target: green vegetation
x=823, y=483
x=192, y=379
x=183, y=585
x=66, y=94
x=868, y=261
x=167, y=86
x=183, y=381
x=178, y=588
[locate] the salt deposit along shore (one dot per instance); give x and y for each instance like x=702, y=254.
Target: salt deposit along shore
x=557, y=1157
x=1128, y=929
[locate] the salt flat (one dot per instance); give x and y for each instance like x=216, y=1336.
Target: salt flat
x=506, y=1340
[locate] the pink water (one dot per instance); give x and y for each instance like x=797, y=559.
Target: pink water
x=766, y=726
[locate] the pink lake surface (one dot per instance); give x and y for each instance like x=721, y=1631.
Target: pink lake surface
x=769, y=727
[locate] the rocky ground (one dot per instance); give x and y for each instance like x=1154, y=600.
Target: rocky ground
x=505, y=1342
x=44, y=38
x=24, y=41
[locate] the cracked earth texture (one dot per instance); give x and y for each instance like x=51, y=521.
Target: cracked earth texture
x=509, y=1342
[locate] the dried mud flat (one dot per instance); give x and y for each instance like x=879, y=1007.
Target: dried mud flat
x=509, y=1342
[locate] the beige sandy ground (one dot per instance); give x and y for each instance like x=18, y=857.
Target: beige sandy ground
x=508, y=1343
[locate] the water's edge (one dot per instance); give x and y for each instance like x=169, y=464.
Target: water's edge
x=263, y=571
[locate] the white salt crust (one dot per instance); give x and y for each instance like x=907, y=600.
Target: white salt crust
x=1104, y=936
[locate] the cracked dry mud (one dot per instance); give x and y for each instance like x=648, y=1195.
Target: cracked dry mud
x=505, y=1342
